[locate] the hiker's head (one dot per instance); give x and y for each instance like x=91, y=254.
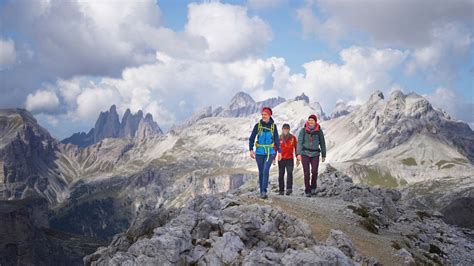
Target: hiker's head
x=286, y=129
x=266, y=114
x=312, y=120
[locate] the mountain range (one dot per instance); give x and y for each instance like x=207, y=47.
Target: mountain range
x=98, y=184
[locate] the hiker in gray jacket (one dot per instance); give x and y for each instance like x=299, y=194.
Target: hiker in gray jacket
x=311, y=145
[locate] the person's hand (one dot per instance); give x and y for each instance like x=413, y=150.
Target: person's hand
x=323, y=159
x=279, y=157
x=298, y=161
x=252, y=154
x=299, y=158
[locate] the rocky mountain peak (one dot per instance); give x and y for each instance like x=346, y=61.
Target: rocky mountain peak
x=241, y=99
x=376, y=96
x=109, y=126
x=147, y=128
x=302, y=97
x=396, y=95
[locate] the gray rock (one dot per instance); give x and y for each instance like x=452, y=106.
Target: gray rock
x=406, y=257
x=341, y=241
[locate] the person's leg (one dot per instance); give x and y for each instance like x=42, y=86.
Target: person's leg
x=266, y=173
x=281, y=174
x=314, y=171
x=289, y=175
x=260, y=163
x=305, y=161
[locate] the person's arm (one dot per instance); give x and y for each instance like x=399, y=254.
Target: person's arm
x=295, y=145
x=300, y=142
x=252, y=137
x=322, y=143
x=276, y=139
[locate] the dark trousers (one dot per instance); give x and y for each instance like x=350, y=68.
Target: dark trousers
x=314, y=163
x=285, y=164
x=264, y=162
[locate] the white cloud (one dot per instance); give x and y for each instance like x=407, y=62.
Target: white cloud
x=441, y=59
x=264, y=4
x=229, y=31
x=437, y=32
x=161, y=87
x=7, y=53
x=363, y=70
x=91, y=101
x=456, y=105
x=406, y=23
x=42, y=101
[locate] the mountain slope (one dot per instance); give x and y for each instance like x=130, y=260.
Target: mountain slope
x=27, y=155
x=403, y=137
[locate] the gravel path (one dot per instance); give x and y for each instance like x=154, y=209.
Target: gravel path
x=324, y=214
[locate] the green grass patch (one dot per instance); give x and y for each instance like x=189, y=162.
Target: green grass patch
x=373, y=177
x=409, y=161
x=447, y=166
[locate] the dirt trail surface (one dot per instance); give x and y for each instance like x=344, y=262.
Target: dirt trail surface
x=324, y=214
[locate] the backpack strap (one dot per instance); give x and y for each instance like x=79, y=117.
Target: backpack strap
x=267, y=147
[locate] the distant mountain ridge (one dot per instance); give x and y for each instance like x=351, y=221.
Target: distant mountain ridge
x=109, y=126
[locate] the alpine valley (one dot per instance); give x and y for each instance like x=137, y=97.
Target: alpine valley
x=397, y=188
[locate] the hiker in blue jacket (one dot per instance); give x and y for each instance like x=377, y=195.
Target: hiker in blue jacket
x=267, y=139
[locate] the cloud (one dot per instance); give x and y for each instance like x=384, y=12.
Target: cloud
x=7, y=53
x=160, y=87
x=63, y=39
x=363, y=70
x=442, y=58
x=228, y=30
x=264, y=4
x=456, y=105
x=42, y=101
x=401, y=23
x=436, y=32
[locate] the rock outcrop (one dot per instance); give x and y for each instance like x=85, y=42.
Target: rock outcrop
x=215, y=230
x=109, y=126
x=424, y=237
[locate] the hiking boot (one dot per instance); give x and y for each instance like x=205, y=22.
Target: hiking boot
x=308, y=195
x=289, y=191
x=313, y=192
x=281, y=192
x=264, y=196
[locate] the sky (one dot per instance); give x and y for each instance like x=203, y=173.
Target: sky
x=65, y=61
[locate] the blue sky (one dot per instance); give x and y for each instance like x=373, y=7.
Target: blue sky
x=65, y=61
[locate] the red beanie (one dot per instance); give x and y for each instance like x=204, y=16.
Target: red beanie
x=267, y=110
x=313, y=116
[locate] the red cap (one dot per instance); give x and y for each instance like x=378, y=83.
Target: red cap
x=267, y=110
x=313, y=116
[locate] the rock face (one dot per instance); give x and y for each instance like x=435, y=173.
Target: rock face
x=26, y=239
x=425, y=237
x=220, y=230
x=109, y=126
x=147, y=128
x=341, y=109
x=27, y=154
x=460, y=212
x=401, y=138
x=130, y=123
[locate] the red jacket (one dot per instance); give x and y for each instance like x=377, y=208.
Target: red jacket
x=288, y=148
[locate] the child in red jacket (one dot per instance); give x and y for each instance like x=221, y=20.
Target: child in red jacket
x=288, y=145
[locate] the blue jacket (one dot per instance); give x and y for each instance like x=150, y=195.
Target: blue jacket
x=265, y=137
